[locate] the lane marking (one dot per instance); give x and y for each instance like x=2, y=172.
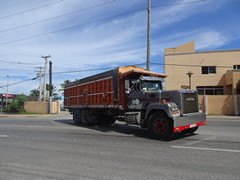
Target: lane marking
x=206, y=149
x=4, y=136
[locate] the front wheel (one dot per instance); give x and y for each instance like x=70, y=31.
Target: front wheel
x=160, y=126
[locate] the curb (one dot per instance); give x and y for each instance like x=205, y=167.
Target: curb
x=19, y=115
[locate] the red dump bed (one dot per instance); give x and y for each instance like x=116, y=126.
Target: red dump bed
x=104, y=90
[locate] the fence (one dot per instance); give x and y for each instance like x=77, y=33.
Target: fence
x=220, y=104
x=40, y=107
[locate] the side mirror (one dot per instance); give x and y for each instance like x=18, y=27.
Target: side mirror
x=127, y=84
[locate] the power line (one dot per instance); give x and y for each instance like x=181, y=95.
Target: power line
x=15, y=5
x=72, y=27
x=19, y=82
x=30, y=10
x=101, y=59
x=177, y=4
x=57, y=16
x=22, y=51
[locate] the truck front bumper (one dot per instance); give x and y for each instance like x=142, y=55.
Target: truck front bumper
x=188, y=121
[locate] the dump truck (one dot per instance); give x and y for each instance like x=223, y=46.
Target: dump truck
x=135, y=96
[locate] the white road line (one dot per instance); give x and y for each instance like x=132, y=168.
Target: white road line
x=206, y=149
x=4, y=136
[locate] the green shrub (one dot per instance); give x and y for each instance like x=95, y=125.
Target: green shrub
x=17, y=105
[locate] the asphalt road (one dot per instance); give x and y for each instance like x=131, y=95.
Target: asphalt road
x=53, y=147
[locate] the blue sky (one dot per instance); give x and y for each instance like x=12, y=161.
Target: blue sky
x=95, y=43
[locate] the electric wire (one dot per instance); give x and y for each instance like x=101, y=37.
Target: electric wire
x=14, y=5
x=18, y=82
x=37, y=55
x=72, y=27
x=57, y=16
x=178, y=3
x=30, y=10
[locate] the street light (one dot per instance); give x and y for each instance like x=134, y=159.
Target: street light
x=189, y=75
x=7, y=89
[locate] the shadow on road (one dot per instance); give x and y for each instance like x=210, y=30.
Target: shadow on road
x=122, y=128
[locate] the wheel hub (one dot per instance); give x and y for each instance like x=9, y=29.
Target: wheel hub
x=160, y=125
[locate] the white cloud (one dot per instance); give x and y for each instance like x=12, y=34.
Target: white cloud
x=113, y=42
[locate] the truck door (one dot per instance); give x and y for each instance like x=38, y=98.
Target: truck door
x=136, y=98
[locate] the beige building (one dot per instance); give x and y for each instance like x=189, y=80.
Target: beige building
x=214, y=72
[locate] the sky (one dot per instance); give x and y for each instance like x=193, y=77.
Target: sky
x=93, y=36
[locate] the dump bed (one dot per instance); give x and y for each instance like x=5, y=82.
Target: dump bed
x=104, y=90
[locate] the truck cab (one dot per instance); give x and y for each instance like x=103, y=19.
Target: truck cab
x=163, y=112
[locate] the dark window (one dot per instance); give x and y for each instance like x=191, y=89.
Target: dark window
x=210, y=90
x=236, y=66
x=208, y=69
x=204, y=70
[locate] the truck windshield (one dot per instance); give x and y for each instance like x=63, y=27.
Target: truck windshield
x=151, y=85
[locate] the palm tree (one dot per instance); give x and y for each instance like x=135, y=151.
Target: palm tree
x=63, y=85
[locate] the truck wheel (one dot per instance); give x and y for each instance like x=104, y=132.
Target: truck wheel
x=160, y=126
x=77, y=118
x=191, y=130
x=110, y=120
x=85, y=117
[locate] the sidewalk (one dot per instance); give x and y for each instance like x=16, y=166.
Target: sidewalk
x=22, y=115
x=41, y=115
x=223, y=117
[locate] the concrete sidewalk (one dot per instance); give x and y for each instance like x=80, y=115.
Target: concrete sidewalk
x=41, y=115
x=22, y=115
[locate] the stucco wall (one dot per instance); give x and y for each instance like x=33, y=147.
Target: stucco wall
x=219, y=104
x=238, y=100
x=55, y=107
x=40, y=107
x=36, y=106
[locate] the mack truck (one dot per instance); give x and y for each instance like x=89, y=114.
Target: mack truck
x=135, y=96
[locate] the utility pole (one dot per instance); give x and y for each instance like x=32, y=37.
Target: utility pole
x=189, y=75
x=40, y=85
x=7, y=89
x=50, y=88
x=45, y=76
x=148, y=35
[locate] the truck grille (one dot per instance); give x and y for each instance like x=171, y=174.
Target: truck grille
x=190, y=103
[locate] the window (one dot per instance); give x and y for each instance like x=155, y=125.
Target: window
x=208, y=69
x=152, y=85
x=210, y=90
x=236, y=66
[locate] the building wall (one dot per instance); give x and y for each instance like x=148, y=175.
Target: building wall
x=40, y=107
x=177, y=64
x=220, y=104
x=36, y=107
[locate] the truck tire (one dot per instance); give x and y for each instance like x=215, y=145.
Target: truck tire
x=160, y=126
x=85, y=117
x=77, y=118
x=190, y=131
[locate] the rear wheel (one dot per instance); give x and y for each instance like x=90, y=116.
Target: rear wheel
x=160, y=126
x=77, y=118
x=191, y=130
x=85, y=117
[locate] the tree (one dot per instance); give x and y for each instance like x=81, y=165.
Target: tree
x=17, y=105
x=34, y=92
x=63, y=85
